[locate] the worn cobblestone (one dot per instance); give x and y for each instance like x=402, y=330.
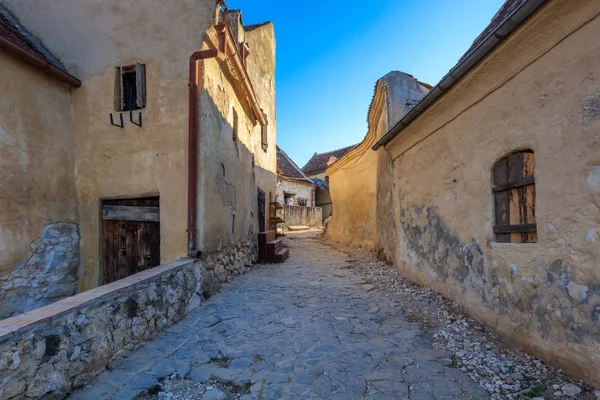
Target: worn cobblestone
x=303, y=329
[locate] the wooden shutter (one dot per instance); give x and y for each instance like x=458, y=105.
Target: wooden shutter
x=119, y=91
x=140, y=85
x=514, y=199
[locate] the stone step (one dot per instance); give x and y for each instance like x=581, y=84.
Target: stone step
x=272, y=247
x=298, y=228
x=281, y=255
x=263, y=239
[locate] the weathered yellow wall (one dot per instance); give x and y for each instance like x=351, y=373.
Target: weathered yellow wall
x=353, y=192
x=37, y=184
x=152, y=160
x=227, y=180
x=539, y=90
x=356, y=179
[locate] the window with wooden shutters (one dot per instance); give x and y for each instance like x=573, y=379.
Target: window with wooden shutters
x=514, y=198
x=130, y=88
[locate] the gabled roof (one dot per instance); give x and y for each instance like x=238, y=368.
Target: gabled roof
x=287, y=168
x=16, y=39
x=318, y=162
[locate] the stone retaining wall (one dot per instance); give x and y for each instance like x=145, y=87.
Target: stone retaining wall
x=222, y=266
x=48, y=274
x=47, y=352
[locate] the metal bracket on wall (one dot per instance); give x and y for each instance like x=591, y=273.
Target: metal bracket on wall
x=133, y=122
x=112, y=122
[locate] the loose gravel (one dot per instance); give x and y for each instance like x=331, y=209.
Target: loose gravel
x=487, y=357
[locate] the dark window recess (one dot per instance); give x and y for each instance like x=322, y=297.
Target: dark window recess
x=235, y=126
x=261, y=210
x=264, y=131
x=130, y=88
x=302, y=202
x=514, y=198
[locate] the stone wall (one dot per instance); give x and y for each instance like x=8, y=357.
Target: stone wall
x=306, y=216
x=535, y=91
x=48, y=274
x=222, y=266
x=47, y=352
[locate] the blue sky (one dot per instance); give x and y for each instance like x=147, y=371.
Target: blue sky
x=331, y=53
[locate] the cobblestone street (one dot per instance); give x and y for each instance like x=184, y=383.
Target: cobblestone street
x=309, y=328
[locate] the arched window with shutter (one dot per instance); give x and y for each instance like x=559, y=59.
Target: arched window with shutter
x=514, y=198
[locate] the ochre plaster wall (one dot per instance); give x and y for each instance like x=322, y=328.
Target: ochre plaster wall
x=228, y=181
x=152, y=160
x=358, y=195
x=37, y=184
x=353, y=193
x=539, y=90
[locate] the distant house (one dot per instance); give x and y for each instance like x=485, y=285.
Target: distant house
x=294, y=188
x=318, y=163
x=316, y=168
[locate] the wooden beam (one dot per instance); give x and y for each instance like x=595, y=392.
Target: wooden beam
x=524, y=228
x=125, y=213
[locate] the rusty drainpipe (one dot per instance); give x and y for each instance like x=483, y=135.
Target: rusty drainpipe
x=194, y=83
x=39, y=62
x=227, y=49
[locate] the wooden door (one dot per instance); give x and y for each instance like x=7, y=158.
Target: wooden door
x=131, y=237
x=261, y=211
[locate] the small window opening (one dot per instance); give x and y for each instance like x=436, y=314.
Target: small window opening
x=514, y=198
x=302, y=202
x=235, y=126
x=289, y=199
x=264, y=134
x=130, y=88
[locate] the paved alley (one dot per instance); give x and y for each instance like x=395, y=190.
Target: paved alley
x=309, y=328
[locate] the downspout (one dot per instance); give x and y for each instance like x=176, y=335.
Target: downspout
x=227, y=50
x=196, y=61
x=39, y=62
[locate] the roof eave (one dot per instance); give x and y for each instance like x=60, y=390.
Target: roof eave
x=39, y=62
x=511, y=23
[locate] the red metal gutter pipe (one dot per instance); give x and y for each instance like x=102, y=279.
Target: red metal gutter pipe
x=39, y=62
x=194, y=83
x=227, y=50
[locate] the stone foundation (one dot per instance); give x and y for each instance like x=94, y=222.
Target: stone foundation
x=49, y=273
x=222, y=266
x=47, y=352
